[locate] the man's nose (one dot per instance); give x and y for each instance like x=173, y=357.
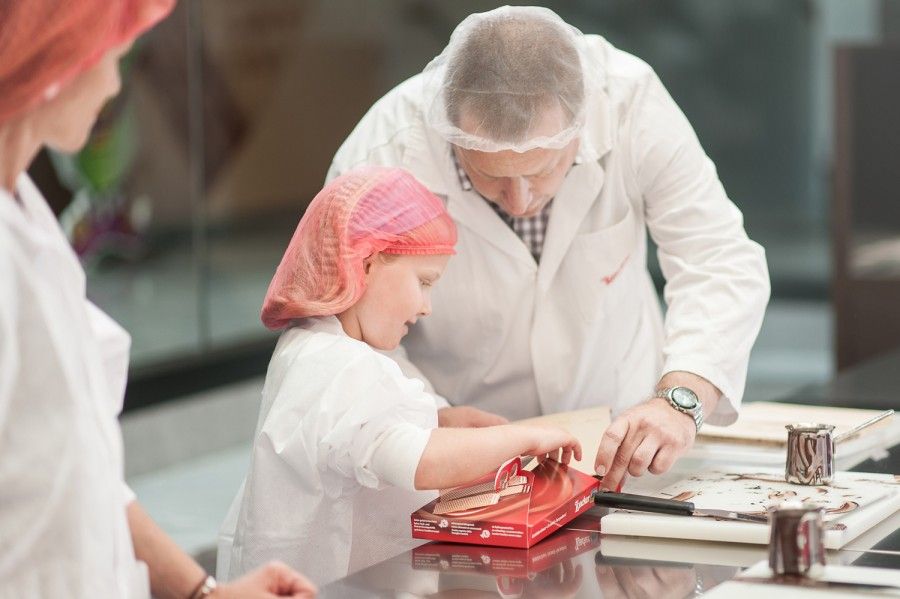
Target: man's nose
x=516, y=195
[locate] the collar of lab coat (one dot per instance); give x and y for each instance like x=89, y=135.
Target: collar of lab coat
x=15, y=203
x=321, y=324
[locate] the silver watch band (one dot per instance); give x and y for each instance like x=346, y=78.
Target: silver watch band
x=698, y=417
x=696, y=414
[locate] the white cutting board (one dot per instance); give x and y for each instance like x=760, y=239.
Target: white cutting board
x=710, y=553
x=764, y=422
x=682, y=551
x=847, y=453
x=854, y=503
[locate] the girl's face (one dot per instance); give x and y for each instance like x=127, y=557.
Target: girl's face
x=398, y=292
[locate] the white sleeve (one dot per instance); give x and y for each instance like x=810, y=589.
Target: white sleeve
x=386, y=414
x=717, y=282
x=337, y=431
x=396, y=454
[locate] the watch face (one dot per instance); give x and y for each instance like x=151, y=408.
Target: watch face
x=684, y=398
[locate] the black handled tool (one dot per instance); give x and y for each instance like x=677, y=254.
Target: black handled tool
x=659, y=505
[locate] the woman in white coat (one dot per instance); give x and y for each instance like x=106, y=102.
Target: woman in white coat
x=556, y=153
x=69, y=527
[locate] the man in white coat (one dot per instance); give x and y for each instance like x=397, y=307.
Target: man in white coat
x=556, y=153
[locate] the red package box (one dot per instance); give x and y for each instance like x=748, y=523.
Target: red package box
x=514, y=508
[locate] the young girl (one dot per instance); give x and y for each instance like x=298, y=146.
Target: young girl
x=345, y=443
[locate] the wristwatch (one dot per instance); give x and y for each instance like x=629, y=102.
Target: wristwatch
x=684, y=400
x=205, y=588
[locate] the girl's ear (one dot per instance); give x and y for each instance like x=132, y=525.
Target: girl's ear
x=367, y=263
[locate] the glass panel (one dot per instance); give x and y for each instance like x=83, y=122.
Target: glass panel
x=871, y=136
x=276, y=85
x=281, y=96
x=131, y=215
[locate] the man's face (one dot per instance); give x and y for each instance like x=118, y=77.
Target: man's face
x=520, y=183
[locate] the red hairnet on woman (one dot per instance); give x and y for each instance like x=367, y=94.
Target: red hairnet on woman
x=69, y=527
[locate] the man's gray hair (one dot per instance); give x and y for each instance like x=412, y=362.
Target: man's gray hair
x=509, y=72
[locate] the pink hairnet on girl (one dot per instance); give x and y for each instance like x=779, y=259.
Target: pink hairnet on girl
x=364, y=212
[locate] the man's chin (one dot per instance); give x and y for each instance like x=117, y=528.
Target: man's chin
x=528, y=213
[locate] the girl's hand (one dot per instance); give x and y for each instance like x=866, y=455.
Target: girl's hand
x=551, y=441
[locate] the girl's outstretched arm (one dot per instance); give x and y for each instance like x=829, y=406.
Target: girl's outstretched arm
x=455, y=456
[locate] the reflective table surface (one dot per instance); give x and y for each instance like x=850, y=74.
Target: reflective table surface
x=580, y=561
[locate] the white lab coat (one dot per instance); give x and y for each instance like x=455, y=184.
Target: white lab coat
x=583, y=327
x=331, y=483
x=63, y=366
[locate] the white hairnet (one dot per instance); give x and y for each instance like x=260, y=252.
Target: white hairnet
x=514, y=78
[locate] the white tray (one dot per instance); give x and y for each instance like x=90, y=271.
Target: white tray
x=847, y=453
x=878, y=507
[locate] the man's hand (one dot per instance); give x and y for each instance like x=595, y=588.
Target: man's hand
x=651, y=435
x=468, y=417
x=272, y=580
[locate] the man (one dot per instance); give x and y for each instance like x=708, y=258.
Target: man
x=556, y=152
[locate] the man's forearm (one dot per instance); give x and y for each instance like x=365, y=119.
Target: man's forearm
x=173, y=573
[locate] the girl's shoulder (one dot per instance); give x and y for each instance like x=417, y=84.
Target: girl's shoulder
x=319, y=345
x=319, y=370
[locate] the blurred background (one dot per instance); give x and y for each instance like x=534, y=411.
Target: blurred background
x=194, y=180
